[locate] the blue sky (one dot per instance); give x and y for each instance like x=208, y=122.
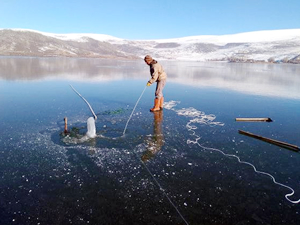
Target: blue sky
x=150, y=19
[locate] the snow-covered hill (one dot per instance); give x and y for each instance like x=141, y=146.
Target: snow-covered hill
x=274, y=45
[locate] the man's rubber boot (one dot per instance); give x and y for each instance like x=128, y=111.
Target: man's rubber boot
x=161, y=103
x=156, y=105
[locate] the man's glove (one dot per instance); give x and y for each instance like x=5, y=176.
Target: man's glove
x=148, y=84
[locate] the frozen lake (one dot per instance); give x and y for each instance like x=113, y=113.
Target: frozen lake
x=187, y=164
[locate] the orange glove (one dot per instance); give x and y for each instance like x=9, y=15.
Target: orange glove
x=148, y=84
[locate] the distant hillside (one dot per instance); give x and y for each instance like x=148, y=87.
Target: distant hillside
x=29, y=43
x=267, y=46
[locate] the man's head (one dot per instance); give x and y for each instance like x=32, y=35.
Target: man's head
x=148, y=59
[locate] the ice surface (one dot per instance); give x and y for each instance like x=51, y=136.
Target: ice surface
x=86, y=179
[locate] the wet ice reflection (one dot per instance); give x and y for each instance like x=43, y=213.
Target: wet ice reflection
x=155, y=141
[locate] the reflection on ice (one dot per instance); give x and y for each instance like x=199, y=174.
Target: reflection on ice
x=154, y=142
x=280, y=80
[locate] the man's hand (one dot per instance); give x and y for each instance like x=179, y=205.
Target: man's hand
x=148, y=84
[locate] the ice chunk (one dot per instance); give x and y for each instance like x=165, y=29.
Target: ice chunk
x=91, y=128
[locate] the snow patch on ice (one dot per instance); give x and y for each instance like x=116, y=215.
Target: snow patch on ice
x=196, y=115
x=170, y=104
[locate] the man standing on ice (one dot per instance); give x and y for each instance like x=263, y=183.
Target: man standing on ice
x=159, y=76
